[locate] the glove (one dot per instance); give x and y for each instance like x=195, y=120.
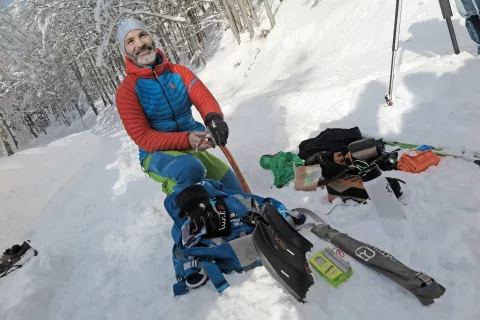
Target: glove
x=196, y=205
x=217, y=127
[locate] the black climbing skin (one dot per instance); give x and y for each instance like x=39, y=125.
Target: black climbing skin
x=280, y=255
x=282, y=227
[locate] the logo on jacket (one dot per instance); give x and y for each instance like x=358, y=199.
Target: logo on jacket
x=172, y=85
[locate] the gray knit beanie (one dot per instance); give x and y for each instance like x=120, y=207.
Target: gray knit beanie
x=125, y=27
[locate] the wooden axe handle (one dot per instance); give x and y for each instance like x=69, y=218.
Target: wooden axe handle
x=236, y=169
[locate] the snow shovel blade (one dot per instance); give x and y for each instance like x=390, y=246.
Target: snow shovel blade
x=282, y=227
x=273, y=251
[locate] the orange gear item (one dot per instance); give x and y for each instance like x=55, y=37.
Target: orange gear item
x=416, y=161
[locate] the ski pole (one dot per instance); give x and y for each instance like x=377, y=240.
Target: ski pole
x=236, y=169
x=396, y=35
x=447, y=15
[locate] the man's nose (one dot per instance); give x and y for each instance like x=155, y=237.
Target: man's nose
x=138, y=43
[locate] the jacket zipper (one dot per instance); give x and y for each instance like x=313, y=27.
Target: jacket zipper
x=168, y=101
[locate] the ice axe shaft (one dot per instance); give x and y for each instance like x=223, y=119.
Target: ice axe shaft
x=236, y=169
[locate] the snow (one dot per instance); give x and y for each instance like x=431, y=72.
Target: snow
x=104, y=238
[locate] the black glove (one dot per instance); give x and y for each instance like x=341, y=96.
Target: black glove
x=217, y=127
x=194, y=202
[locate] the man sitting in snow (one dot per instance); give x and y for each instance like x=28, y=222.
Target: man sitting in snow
x=154, y=102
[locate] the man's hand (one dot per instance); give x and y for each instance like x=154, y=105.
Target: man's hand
x=218, y=128
x=196, y=143
x=194, y=203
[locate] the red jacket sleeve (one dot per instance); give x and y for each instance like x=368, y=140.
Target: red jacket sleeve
x=136, y=124
x=200, y=96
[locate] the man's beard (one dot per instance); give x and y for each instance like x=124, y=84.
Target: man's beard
x=144, y=60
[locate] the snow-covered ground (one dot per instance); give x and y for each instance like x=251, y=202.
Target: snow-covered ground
x=104, y=238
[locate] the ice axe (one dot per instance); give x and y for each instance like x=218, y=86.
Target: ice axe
x=230, y=159
x=236, y=169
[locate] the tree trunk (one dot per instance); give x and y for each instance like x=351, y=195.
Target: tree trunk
x=96, y=75
x=108, y=74
x=96, y=83
x=101, y=80
x=269, y=13
x=245, y=17
x=76, y=70
x=30, y=124
x=253, y=12
x=5, y=146
x=231, y=21
x=236, y=16
x=115, y=71
x=109, y=88
x=61, y=112
x=5, y=124
x=169, y=44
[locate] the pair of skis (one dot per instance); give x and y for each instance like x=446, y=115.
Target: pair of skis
x=438, y=151
x=283, y=253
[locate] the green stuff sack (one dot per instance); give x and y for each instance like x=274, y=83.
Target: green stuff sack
x=283, y=166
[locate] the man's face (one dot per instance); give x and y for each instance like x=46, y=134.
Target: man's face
x=139, y=47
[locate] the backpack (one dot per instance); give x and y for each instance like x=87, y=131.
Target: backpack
x=210, y=258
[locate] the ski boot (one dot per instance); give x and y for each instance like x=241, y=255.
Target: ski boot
x=15, y=257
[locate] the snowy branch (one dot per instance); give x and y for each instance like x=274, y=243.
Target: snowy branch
x=128, y=4
x=159, y=15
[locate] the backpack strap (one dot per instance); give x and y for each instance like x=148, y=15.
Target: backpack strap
x=213, y=272
x=215, y=275
x=179, y=288
x=189, y=267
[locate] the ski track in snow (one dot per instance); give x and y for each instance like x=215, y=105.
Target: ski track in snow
x=104, y=238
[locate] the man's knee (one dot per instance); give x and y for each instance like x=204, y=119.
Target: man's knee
x=175, y=170
x=191, y=170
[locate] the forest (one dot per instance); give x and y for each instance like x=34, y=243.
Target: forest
x=60, y=58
